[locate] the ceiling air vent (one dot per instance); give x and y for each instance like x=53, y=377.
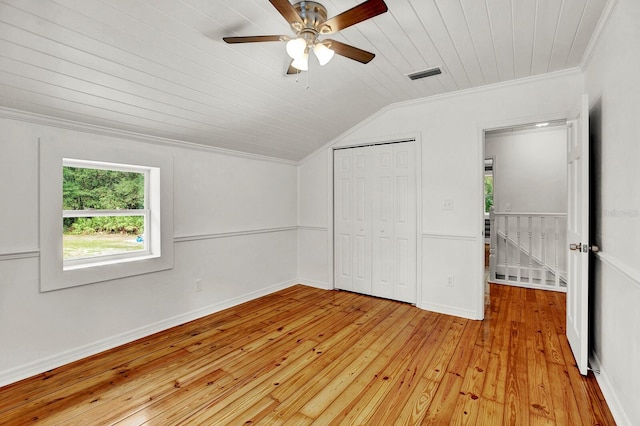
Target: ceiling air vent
x=425, y=73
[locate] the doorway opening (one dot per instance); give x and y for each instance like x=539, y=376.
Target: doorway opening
x=525, y=206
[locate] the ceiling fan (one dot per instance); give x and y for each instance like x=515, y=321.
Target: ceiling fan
x=308, y=19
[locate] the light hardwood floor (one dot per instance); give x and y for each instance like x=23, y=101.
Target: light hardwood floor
x=303, y=356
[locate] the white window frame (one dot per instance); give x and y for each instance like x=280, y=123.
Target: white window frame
x=150, y=233
x=55, y=273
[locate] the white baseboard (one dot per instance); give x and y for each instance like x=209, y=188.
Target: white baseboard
x=40, y=366
x=610, y=395
x=449, y=310
x=316, y=284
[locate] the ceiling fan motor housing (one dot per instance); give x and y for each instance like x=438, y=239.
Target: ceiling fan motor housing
x=313, y=15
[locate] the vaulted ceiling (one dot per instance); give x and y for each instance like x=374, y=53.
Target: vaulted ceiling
x=160, y=67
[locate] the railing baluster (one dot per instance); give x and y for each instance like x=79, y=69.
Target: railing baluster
x=493, y=234
x=556, y=228
x=530, y=229
x=543, y=251
x=506, y=248
x=518, y=251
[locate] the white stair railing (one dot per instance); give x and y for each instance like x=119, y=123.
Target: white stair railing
x=528, y=249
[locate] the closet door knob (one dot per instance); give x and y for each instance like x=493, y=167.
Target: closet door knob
x=382, y=230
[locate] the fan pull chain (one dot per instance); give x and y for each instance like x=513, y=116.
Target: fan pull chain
x=308, y=86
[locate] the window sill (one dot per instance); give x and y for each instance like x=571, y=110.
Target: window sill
x=93, y=264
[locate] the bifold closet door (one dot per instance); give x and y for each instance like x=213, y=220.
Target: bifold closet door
x=375, y=220
x=394, y=234
x=353, y=178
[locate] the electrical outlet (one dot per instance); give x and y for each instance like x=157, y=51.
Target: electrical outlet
x=447, y=204
x=198, y=285
x=450, y=280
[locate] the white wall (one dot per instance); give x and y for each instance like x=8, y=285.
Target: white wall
x=313, y=219
x=530, y=170
x=235, y=228
x=449, y=129
x=613, y=83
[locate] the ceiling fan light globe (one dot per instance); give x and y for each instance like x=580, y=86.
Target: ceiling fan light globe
x=301, y=63
x=323, y=53
x=296, y=47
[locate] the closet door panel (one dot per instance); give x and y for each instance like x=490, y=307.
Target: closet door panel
x=383, y=241
x=343, y=263
x=405, y=223
x=361, y=224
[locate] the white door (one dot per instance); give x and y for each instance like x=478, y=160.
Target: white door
x=352, y=220
x=578, y=235
x=394, y=222
x=375, y=221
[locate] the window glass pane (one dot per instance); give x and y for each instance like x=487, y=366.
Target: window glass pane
x=102, y=236
x=86, y=188
x=488, y=193
x=102, y=190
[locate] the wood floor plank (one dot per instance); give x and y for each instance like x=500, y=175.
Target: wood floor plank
x=566, y=409
x=516, y=405
x=279, y=368
x=467, y=406
x=443, y=407
x=345, y=347
x=552, y=351
x=306, y=329
x=421, y=397
x=490, y=413
x=370, y=358
x=258, y=388
x=496, y=373
x=541, y=403
x=392, y=406
x=362, y=397
x=305, y=356
x=376, y=402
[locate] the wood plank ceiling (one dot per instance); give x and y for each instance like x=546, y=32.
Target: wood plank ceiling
x=159, y=67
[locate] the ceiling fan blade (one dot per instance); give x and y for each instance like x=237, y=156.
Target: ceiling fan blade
x=287, y=11
x=292, y=70
x=349, y=51
x=359, y=13
x=255, y=39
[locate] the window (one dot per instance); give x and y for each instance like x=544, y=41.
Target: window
x=106, y=210
x=105, y=215
x=488, y=185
